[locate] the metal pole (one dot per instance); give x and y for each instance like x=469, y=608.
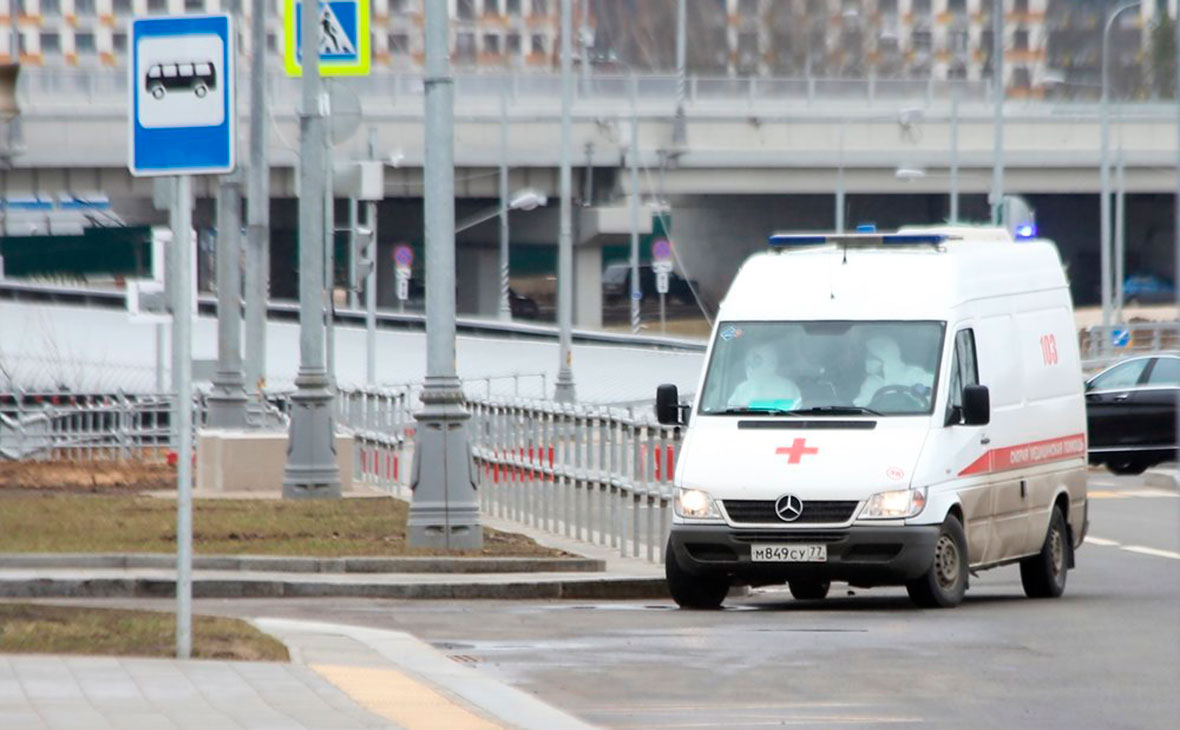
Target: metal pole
x=444, y=512
x=1176, y=218
x=997, y=193
x=564, y=390
x=663, y=314
x=583, y=35
x=258, y=209
x=182, y=409
x=840, y=182
x=227, y=402
x=161, y=357
x=371, y=280
x=1120, y=236
x=505, y=306
x=329, y=271
x=311, y=464
x=636, y=293
x=353, y=222
x=954, y=203
x=680, y=124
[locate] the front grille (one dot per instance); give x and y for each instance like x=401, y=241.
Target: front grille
x=788, y=536
x=815, y=511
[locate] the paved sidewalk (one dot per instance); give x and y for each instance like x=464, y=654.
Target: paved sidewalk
x=339, y=678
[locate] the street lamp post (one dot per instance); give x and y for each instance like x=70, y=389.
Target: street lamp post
x=505, y=305
x=680, y=123
x=443, y=512
x=997, y=193
x=1104, y=170
x=564, y=390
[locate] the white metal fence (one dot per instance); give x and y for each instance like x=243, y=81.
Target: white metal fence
x=1099, y=348
x=85, y=428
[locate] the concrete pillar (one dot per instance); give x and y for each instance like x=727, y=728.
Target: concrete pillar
x=588, y=292
x=478, y=291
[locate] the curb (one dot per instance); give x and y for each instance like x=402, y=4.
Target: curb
x=369, y=565
x=596, y=588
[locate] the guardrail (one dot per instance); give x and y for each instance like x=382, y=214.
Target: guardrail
x=112, y=427
x=1141, y=338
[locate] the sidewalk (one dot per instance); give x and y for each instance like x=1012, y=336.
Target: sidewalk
x=340, y=678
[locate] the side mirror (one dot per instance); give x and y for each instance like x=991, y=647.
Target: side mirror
x=977, y=405
x=668, y=405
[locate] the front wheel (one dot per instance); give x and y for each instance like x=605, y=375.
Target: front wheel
x=943, y=585
x=701, y=592
x=1127, y=467
x=1043, y=575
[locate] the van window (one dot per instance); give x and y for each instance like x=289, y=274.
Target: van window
x=888, y=368
x=1120, y=376
x=964, y=372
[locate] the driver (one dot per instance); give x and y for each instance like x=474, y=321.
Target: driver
x=763, y=385
x=884, y=367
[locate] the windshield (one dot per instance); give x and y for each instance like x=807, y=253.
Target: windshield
x=839, y=368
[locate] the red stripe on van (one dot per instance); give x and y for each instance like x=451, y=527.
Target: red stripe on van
x=1034, y=452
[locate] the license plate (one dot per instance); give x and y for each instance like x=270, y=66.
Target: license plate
x=799, y=553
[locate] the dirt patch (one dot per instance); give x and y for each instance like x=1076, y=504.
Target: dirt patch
x=88, y=477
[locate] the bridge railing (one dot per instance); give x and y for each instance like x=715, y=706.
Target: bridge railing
x=1098, y=348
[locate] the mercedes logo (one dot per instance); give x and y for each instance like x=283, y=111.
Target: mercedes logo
x=788, y=508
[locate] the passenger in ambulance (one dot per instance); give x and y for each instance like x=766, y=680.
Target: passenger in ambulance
x=764, y=387
x=887, y=374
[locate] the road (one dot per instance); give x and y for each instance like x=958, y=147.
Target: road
x=1107, y=655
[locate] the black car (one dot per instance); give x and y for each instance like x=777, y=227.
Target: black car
x=616, y=284
x=1131, y=413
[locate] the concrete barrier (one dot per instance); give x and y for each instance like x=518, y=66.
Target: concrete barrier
x=253, y=461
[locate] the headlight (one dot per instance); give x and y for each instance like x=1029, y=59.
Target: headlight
x=695, y=504
x=896, y=504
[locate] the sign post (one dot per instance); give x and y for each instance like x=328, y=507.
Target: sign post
x=661, y=264
x=182, y=122
x=403, y=259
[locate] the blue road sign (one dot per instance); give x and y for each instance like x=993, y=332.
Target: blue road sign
x=344, y=38
x=182, y=113
x=1120, y=337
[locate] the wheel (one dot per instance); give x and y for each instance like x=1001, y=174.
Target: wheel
x=1127, y=466
x=943, y=585
x=1043, y=575
x=701, y=592
x=158, y=91
x=200, y=90
x=810, y=590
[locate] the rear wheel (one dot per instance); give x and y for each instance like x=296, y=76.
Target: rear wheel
x=703, y=591
x=810, y=590
x=1127, y=466
x=943, y=585
x=1043, y=575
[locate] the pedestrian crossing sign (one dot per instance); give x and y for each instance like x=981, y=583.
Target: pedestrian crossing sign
x=344, y=37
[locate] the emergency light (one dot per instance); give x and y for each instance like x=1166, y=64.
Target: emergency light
x=784, y=240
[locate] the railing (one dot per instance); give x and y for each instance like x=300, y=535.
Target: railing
x=92, y=428
x=596, y=474
x=1142, y=338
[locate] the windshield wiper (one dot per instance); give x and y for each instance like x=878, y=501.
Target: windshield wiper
x=840, y=411
x=758, y=411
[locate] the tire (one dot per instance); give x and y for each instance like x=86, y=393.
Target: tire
x=703, y=592
x=810, y=590
x=945, y=582
x=157, y=91
x=200, y=90
x=1043, y=575
x=1127, y=467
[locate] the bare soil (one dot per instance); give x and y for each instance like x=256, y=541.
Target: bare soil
x=91, y=477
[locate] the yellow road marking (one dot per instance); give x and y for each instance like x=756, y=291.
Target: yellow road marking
x=407, y=702
x=1128, y=493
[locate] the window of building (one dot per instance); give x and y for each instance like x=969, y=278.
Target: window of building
x=491, y=44
x=84, y=42
x=922, y=8
x=1020, y=40
x=398, y=6
x=465, y=9
x=512, y=7
x=194, y=6
x=156, y=6
x=514, y=44
x=540, y=7
x=50, y=42
x=272, y=42
x=84, y=7
x=538, y=44
x=956, y=7
x=119, y=42
x=465, y=46
x=1020, y=6
x=1021, y=79
x=50, y=8
x=888, y=8
x=121, y=7
x=922, y=41
x=747, y=52
x=399, y=43
x=748, y=8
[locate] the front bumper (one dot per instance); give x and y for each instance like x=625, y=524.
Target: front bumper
x=864, y=555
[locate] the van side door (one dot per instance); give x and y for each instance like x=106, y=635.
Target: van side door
x=974, y=489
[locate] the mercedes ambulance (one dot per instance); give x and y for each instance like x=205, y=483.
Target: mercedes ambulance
x=883, y=409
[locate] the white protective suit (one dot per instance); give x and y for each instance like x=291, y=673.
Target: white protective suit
x=763, y=384
x=884, y=367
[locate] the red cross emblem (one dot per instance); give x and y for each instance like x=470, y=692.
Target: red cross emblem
x=796, y=451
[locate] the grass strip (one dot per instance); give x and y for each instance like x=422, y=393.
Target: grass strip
x=39, y=629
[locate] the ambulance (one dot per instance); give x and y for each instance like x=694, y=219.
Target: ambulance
x=883, y=409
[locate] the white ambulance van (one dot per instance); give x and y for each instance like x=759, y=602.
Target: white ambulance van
x=883, y=409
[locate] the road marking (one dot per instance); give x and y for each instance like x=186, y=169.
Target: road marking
x=1090, y=540
x=1132, y=493
x=395, y=696
x=1151, y=551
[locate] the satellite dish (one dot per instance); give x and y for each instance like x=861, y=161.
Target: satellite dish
x=344, y=116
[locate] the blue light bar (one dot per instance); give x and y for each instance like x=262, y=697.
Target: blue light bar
x=783, y=240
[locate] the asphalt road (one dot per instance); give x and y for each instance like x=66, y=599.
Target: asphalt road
x=1107, y=655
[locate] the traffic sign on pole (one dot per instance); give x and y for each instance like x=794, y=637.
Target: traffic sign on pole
x=1120, y=338
x=344, y=42
x=183, y=117
x=403, y=256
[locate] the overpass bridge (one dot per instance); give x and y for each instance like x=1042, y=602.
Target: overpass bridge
x=760, y=154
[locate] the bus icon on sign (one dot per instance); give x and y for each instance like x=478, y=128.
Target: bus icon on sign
x=199, y=78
